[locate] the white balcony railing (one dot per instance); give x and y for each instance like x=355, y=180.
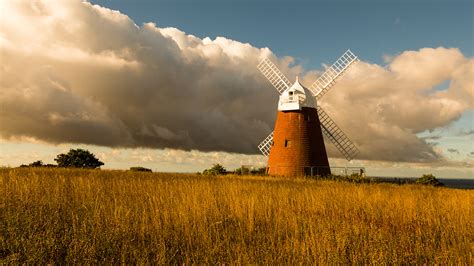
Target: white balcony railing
x=298, y=98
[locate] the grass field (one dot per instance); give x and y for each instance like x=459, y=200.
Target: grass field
x=99, y=216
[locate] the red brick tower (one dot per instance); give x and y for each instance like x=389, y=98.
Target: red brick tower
x=298, y=145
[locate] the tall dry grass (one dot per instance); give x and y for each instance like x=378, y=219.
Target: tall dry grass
x=97, y=216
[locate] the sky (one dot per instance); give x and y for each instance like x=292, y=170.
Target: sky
x=317, y=31
x=172, y=85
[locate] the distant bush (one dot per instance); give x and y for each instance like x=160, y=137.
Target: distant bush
x=140, y=169
x=259, y=171
x=240, y=171
x=429, y=179
x=38, y=164
x=78, y=158
x=250, y=171
x=217, y=169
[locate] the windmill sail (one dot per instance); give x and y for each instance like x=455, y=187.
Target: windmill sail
x=266, y=145
x=274, y=75
x=318, y=89
x=335, y=134
x=328, y=79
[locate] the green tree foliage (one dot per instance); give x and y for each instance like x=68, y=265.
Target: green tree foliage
x=217, y=169
x=78, y=158
x=139, y=169
x=429, y=179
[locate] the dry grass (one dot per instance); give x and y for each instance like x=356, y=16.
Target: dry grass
x=87, y=216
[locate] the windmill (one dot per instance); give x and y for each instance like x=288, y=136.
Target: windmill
x=296, y=146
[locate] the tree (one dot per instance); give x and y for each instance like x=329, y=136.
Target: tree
x=429, y=180
x=78, y=158
x=217, y=169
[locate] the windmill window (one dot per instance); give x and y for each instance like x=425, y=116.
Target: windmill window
x=307, y=118
x=287, y=143
x=291, y=93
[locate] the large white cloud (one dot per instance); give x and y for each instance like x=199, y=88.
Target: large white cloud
x=385, y=107
x=81, y=73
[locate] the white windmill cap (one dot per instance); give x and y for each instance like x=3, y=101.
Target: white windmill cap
x=298, y=88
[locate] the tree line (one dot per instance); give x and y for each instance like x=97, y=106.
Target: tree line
x=75, y=158
x=80, y=158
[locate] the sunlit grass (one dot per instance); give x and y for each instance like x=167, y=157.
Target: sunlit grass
x=96, y=216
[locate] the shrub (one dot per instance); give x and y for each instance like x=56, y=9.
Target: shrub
x=217, y=169
x=259, y=171
x=78, y=158
x=240, y=171
x=33, y=164
x=429, y=179
x=250, y=171
x=36, y=164
x=139, y=169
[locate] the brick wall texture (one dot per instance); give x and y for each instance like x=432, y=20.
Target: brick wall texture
x=297, y=143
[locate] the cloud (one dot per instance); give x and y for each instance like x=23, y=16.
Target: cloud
x=395, y=103
x=80, y=73
x=429, y=138
x=453, y=151
x=463, y=133
x=73, y=72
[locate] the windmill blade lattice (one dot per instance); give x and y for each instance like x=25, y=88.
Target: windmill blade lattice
x=266, y=145
x=335, y=134
x=274, y=75
x=328, y=79
x=318, y=89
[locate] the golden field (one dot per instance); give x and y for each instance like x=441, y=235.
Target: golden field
x=101, y=216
